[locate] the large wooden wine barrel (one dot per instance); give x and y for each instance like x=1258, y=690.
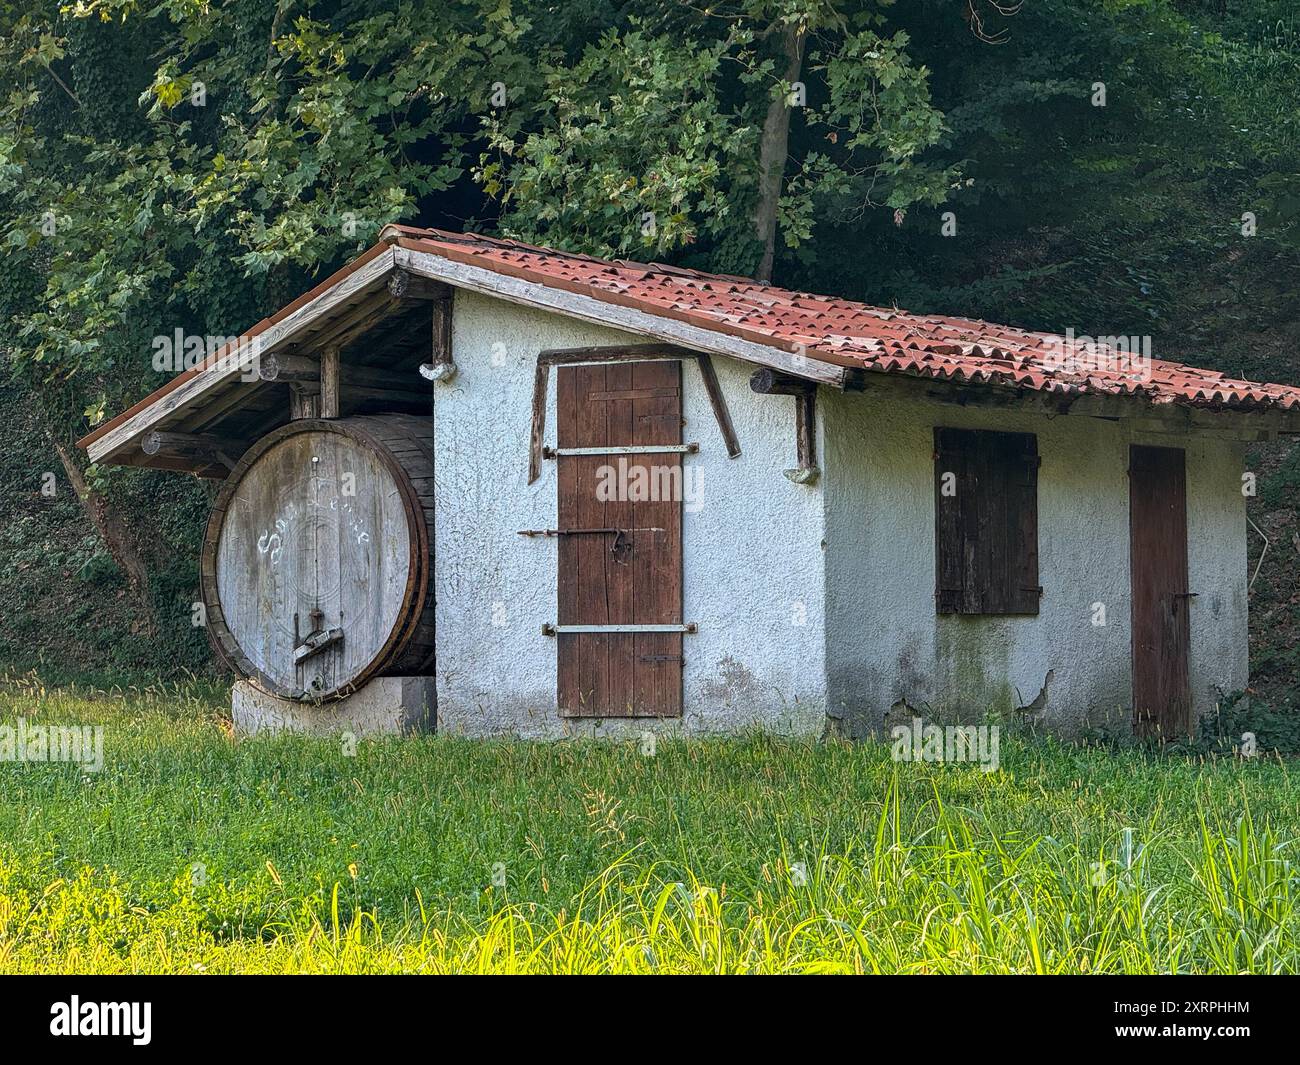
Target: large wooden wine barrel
x=316, y=569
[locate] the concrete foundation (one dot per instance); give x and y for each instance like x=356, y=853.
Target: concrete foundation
x=400, y=705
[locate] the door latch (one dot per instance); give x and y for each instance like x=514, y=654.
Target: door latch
x=315, y=643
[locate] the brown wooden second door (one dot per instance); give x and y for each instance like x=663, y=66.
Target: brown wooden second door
x=620, y=539
x=1162, y=703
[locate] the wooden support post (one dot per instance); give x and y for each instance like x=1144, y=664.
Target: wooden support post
x=719, y=404
x=805, y=428
x=329, y=382
x=441, y=365
x=772, y=383
x=304, y=402
x=539, y=418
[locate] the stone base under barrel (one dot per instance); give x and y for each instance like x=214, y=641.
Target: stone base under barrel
x=400, y=705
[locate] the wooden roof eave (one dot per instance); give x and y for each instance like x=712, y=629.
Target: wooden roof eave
x=119, y=440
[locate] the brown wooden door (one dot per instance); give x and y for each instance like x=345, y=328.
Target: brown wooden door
x=1158, y=568
x=620, y=542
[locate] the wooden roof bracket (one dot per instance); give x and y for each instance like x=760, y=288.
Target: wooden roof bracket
x=621, y=353
x=442, y=364
x=773, y=383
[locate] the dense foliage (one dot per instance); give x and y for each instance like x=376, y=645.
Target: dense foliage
x=1115, y=166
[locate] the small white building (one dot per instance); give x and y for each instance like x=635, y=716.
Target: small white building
x=592, y=497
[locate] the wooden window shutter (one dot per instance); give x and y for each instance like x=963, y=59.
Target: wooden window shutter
x=986, y=522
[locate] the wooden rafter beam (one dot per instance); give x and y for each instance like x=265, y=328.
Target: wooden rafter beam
x=404, y=396
x=402, y=284
x=302, y=369
x=288, y=369
x=200, y=447
x=345, y=330
x=606, y=353
x=772, y=383
x=214, y=407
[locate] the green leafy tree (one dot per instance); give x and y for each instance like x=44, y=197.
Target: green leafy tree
x=736, y=129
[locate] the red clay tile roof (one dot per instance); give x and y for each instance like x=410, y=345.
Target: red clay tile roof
x=822, y=327
x=855, y=334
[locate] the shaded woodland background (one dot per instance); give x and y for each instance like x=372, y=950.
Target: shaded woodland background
x=196, y=166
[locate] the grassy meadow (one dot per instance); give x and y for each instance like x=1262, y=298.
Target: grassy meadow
x=189, y=853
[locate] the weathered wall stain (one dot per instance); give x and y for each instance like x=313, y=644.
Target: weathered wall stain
x=886, y=646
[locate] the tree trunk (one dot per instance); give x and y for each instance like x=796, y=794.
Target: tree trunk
x=773, y=150
x=115, y=534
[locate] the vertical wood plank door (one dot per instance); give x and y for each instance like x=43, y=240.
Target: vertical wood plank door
x=1162, y=704
x=620, y=539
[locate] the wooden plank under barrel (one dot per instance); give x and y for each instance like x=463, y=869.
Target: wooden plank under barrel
x=316, y=569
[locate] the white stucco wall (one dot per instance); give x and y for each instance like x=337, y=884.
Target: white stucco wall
x=753, y=567
x=887, y=648
x=811, y=600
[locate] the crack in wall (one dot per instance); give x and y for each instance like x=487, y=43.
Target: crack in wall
x=1037, y=707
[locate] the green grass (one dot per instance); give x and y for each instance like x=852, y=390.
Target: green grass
x=191, y=852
